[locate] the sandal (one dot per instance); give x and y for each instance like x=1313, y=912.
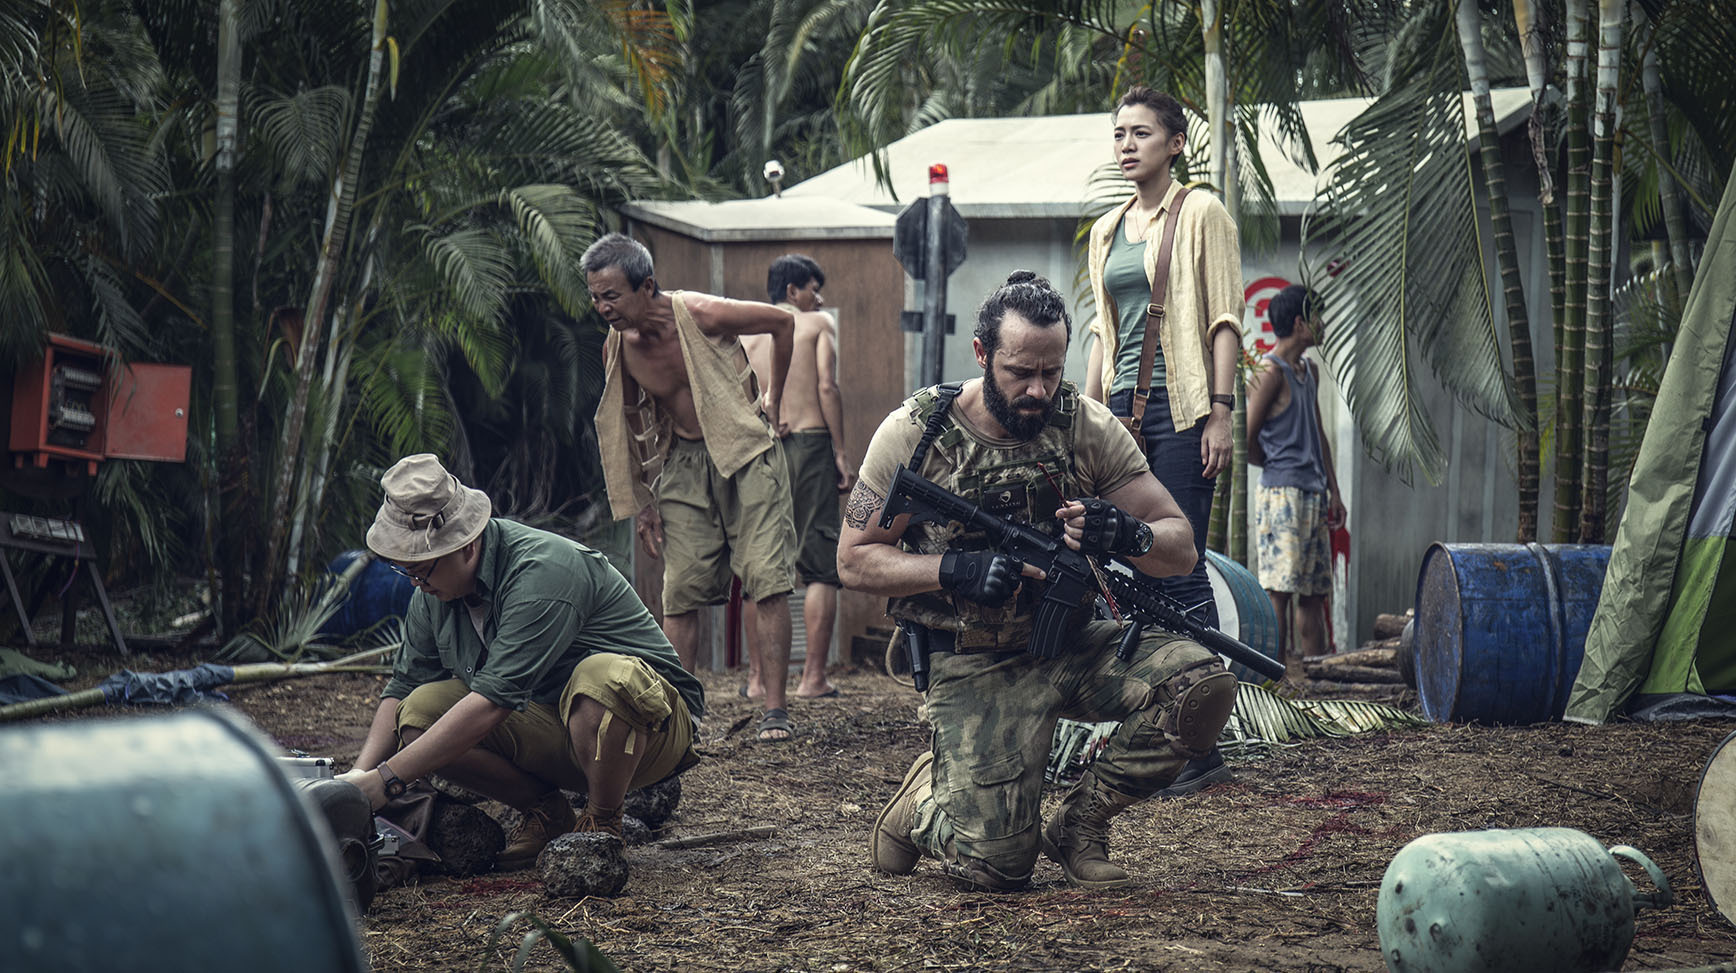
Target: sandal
x=775, y=721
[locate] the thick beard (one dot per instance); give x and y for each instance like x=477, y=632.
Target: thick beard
x=1020, y=426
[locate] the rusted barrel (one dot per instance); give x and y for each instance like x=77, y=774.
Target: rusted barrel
x=1500, y=628
x=164, y=843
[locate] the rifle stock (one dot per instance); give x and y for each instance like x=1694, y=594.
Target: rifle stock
x=1070, y=575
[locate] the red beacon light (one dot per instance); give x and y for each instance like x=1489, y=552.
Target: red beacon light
x=937, y=179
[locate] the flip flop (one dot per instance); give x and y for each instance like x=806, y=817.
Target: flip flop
x=773, y=721
x=829, y=694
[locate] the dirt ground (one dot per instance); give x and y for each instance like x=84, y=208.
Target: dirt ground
x=1277, y=870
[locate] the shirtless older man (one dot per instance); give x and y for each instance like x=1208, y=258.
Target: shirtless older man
x=813, y=411
x=686, y=451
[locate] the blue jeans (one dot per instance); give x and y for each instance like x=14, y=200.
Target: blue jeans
x=1175, y=461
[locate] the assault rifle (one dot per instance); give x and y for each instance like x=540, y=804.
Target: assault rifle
x=1071, y=578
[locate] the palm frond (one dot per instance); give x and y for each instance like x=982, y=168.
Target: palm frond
x=304, y=132
x=1261, y=718
x=1398, y=215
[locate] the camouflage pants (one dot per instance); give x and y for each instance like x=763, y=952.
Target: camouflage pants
x=994, y=722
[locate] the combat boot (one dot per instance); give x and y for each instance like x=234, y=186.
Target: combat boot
x=539, y=824
x=1077, y=836
x=890, y=846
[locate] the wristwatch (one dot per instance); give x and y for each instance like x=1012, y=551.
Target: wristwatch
x=1142, y=541
x=1224, y=398
x=394, y=786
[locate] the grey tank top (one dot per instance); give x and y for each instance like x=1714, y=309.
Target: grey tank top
x=1291, y=439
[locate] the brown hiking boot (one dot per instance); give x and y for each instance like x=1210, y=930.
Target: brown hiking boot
x=1077, y=836
x=890, y=846
x=594, y=819
x=538, y=824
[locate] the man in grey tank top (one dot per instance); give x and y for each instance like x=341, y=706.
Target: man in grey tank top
x=1297, y=505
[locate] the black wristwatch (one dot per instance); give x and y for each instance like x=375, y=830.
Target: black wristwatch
x=1142, y=541
x=1224, y=398
x=394, y=786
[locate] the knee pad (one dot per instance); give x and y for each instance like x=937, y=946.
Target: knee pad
x=975, y=875
x=1202, y=697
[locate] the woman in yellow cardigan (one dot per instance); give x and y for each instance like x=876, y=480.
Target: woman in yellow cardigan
x=1186, y=423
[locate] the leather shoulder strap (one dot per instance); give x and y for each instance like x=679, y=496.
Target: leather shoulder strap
x=1154, y=312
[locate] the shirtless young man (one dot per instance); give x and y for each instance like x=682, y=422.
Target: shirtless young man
x=820, y=470
x=691, y=455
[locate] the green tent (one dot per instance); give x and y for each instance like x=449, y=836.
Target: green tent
x=1666, y=621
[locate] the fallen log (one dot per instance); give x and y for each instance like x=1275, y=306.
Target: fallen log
x=1352, y=673
x=1377, y=655
x=1388, y=625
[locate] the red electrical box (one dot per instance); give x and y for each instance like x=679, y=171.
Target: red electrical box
x=80, y=406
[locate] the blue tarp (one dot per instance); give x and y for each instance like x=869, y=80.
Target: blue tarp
x=167, y=688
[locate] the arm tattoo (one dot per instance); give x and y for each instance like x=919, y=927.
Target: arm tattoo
x=862, y=505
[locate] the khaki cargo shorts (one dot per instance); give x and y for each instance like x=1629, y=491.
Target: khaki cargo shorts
x=713, y=525
x=535, y=739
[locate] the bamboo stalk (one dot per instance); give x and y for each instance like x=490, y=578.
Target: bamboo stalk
x=1604, y=225
x=1507, y=263
x=1570, y=356
x=244, y=674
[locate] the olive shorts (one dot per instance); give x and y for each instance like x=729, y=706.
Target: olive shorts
x=814, y=492
x=713, y=525
x=536, y=740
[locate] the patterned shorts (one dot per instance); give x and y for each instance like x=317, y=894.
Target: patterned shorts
x=1295, y=547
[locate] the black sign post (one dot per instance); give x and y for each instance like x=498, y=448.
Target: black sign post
x=929, y=240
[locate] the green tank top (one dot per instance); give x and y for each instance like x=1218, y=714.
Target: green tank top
x=1124, y=278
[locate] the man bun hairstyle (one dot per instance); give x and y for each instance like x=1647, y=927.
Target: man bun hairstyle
x=1168, y=111
x=1032, y=296
x=622, y=251
x=792, y=269
x=1289, y=304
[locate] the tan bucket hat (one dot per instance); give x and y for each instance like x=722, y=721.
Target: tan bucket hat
x=427, y=513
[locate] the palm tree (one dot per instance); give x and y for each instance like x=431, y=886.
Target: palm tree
x=1399, y=318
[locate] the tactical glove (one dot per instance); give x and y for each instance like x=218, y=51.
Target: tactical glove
x=1111, y=530
x=985, y=577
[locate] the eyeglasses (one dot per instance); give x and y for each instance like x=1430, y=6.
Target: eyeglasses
x=417, y=577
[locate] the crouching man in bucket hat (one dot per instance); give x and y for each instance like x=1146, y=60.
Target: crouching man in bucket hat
x=528, y=665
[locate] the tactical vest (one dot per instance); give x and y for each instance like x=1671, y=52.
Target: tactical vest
x=1026, y=482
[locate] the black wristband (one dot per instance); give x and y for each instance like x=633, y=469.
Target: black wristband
x=1224, y=398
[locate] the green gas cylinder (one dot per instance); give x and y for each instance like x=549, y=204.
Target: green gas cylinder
x=1527, y=900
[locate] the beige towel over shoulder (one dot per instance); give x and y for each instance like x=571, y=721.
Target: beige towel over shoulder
x=634, y=438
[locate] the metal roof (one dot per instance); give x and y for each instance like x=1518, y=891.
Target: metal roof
x=1055, y=165
x=771, y=218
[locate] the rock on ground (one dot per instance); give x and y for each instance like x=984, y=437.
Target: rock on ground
x=583, y=863
x=655, y=804
x=467, y=840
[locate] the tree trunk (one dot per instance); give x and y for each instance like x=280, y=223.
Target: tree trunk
x=1217, y=91
x=1507, y=262
x=339, y=206
x=1604, y=224
x=1570, y=356
x=1681, y=277
x=231, y=456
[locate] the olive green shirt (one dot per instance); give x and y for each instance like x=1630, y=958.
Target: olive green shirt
x=551, y=603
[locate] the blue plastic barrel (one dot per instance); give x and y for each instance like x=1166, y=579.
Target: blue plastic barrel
x=376, y=594
x=1500, y=628
x=1244, y=611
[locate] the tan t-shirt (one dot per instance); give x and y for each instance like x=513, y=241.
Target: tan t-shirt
x=1106, y=457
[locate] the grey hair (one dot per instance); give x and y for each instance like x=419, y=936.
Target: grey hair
x=619, y=250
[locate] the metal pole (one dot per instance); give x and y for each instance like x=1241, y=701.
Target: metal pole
x=934, y=279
